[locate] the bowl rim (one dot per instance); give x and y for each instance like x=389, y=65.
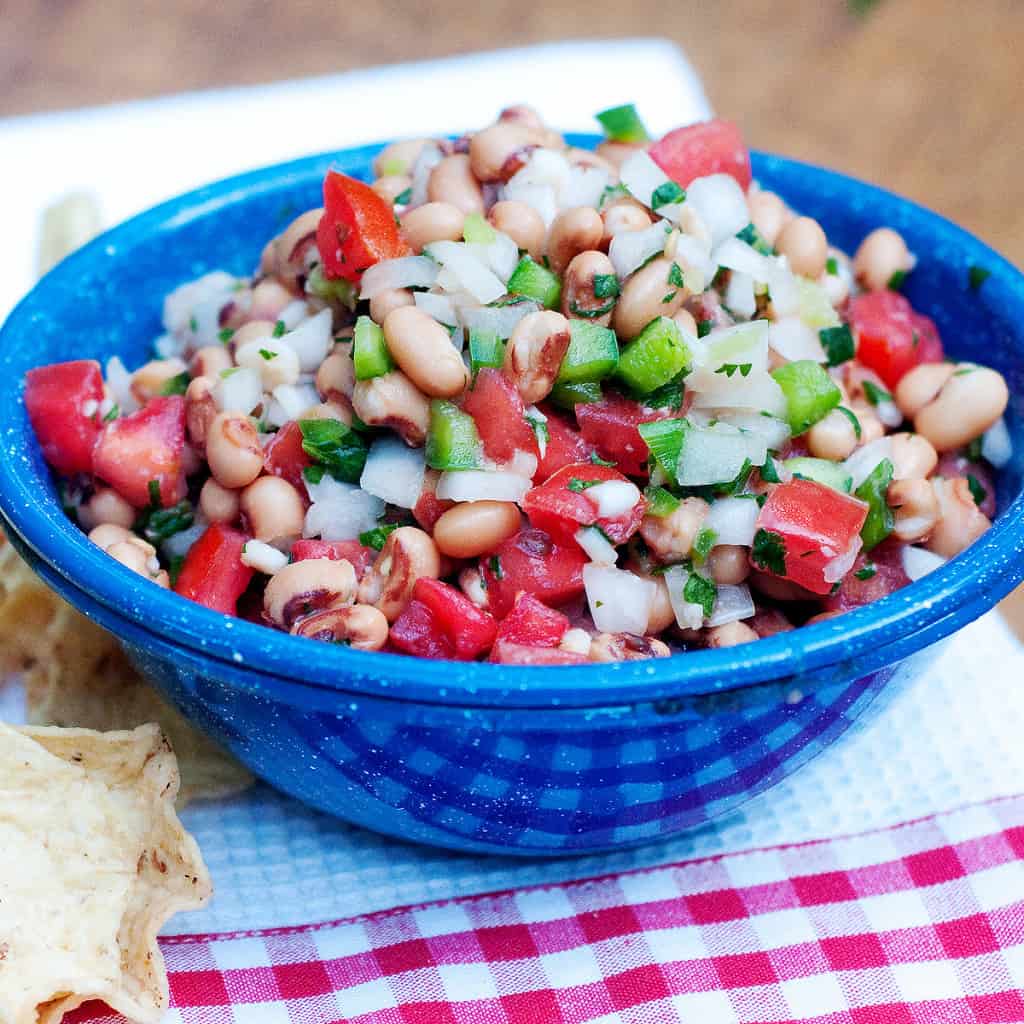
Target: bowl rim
x=929, y=608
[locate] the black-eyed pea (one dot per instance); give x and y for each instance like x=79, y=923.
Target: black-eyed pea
x=336, y=375
x=210, y=361
x=398, y=157
x=960, y=521
x=578, y=298
x=535, y=353
x=662, y=615
x=134, y=558
x=432, y=222
x=917, y=387
x=200, y=410
x=148, y=381
x=647, y=293
x=497, y=152
x=452, y=181
x=731, y=634
x=106, y=506
x=107, y=534
x=915, y=506
x=296, y=246
x=269, y=297
x=606, y=647
x=804, y=244
x=522, y=223
x=303, y=588
x=617, y=153
x=218, y=504
x=729, y=564
x=338, y=408
x=526, y=115
x=273, y=508
x=360, y=626
x=880, y=257
x=913, y=456
x=276, y=363
x=408, y=554
x=254, y=330
x=424, y=352
x=871, y=427
x=233, y=450
x=834, y=437
x=768, y=213
x=390, y=186
x=623, y=215
x=970, y=402
x=670, y=538
x=392, y=400
x=572, y=232
x=383, y=302
x=589, y=158
x=473, y=528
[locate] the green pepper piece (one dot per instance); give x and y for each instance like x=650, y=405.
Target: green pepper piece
x=452, y=440
x=567, y=396
x=370, y=354
x=660, y=502
x=476, y=229
x=880, y=520
x=823, y=471
x=535, y=282
x=810, y=392
x=623, y=124
x=657, y=355
x=592, y=355
x=665, y=439
x=485, y=349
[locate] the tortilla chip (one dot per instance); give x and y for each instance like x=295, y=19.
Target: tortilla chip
x=93, y=861
x=76, y=674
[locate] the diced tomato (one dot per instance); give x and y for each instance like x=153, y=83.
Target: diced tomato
x=565, y=445
x=500, y=416
x=145, y=446
x=560, y=511
x=611, y=426
x=697, y=150
x=803, y=529
x=532, y=623
x=441, y=622
x=357, y=228
x=352, y=551
x=285, y=457
x=429, y=507
x=56, y=397
x=507, y=652
x=881, y=572
x=533, y=562
x=213, y=574
x=891, y=337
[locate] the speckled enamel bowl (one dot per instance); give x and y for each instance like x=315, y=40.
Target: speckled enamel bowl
x=485, y=757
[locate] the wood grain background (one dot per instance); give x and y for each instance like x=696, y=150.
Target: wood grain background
x=925, y=97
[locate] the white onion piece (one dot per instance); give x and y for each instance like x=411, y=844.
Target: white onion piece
x=597, y=547
x=735, y=254
x=833, y=571
x=394, y=472
x=613, y=498
x=403, y=272
x=502, y=256
x=311, y=340
x=694, y=261
x=521, y=464
x=482, y=485
x=293, y=314
x=167, y=346
x=340, y=511
x=542, y=198
x=501, y=320
x=721, y=204
x=119, y=381
x=262, y=557
x=536, y=418
x=440, y=307
x=860, y=464
x=281, y=368
x=620, y=602
x=479, y=280
x=889, y=413
x=544, y=167
x=429, y=157
x=783, y=287
x=996, y=444
x=732, y=604
x=274, y=415
x=585, y=187
x=688, y=614
x=918, y=562
x=733, y=520
x=793, y=340
x=642, y=176
x=630, y=249
x=773, y=432
x=296, y=399
x=240, y=391
x=180, y=305
x=738, y=345
x=178, y=544
x=739, y=295
x=716, y=454
x=756, y=391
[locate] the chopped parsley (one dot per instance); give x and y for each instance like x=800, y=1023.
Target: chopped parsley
x=578, y=485
x=598, y=461
x=174, y=564
x=402, y=199
x=590, y=314
x=668, y=396
x=112, y=413
x=837, y=343
x=660, y=502
x=153, y=487
x=755, y=240
x=769, y=552
x=336, y=447
x=666, y=195
x=193, y=324
x=267, y=354
x=606, y=286
x=964, y=370
x=700, y=590
x=611, y=193
x=224, y=374
x=225, y=334
x=703, y=543
x=376, y=537
x=874, y=394
x=669, y=296
x=494, y=564
x=977, y=276
x=313, y=474
x=895, y=282
x=730, y=368
x=279, y=329
x=540, y=429
x=978, y=490
x=832, y=266
x=675, y=276
x=769, y=474
x=157, y=524
x=176, y=385
x=704, y=328
x=867, y=572
x=851, y=416
x=973, y=450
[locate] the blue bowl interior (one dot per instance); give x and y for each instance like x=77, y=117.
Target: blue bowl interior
x=106, y=299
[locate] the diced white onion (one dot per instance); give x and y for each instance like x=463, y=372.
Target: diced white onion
x=716, y=454
x=576, y=640
x=240, y=391
x=774, y=433
x=119, y=380
x=281, y=369
x=429, y=157
x=732, y=604
x=889, y=413
x=262, y=557
x=793, y=340
x=311, y=340
x=585, y=187
x=501, y=320
x=534, y=416
x=440, y=307
x=688, y=614
x=404, y=272
x=482, y=485
x=918, y=562
x=394, y=472
x=178, y=544
x=293, y=314
x=783, y=287
x=167, y=346
x=473, y=276
x=733, y=520
x=739, y=295
x=597, y=547
x=834, y=570
x=613, y=498
x=738, y=346
x=757, y=391
x=630, y=249
x=180, y=304
x=296, y=399
x=996, y=445
x=544, y=167
x=735, y=254
x=642, y=176
x=620, y=602
x=340, y=511
x=543, y=199
x=694, y=261
x=502, y=256
x=521, y=464
x=721, y=204
x=860, y=464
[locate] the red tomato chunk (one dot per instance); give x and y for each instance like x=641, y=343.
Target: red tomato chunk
x=565, y=445
x=891, y=338
x=63, y=404
x=507, y=653
x=213, y=574
x=875, y=574
x=500, y=416
x=611, y=426
x=697, y=150
x=533, y=624
x=441, y=622
x=352, y=551
x=284, y=456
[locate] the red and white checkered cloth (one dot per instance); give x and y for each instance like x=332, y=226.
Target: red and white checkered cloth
x=921, y=923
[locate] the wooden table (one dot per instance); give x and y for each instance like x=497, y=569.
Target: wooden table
x=922, y=96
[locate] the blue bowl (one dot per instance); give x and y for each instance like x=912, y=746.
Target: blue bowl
x=483, y=757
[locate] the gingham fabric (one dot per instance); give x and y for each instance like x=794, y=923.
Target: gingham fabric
x=921, y=923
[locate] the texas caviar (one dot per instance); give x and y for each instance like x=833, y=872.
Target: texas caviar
x=526, y=402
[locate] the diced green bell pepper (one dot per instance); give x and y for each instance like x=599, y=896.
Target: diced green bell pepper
x=657, y=355
x=660, y=502
x=592, y=355
x=880, y=520
x=452, y=440
x=485, y=349
x=535, y=282
x=567, y=396
x=824, y=471
x=623, y=124
x=476, y=229
x=665, y=438
x=370, y=355
x=810, y=393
